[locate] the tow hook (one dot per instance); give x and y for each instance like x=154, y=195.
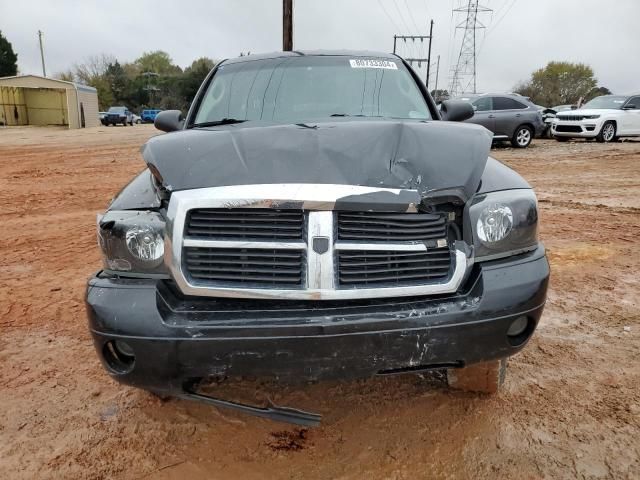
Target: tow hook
x=271, y=411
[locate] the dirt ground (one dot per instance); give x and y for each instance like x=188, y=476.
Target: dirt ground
x=570, y=409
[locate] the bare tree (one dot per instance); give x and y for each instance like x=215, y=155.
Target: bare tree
x=93, y=68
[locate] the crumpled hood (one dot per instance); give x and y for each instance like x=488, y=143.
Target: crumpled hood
x=435, y=158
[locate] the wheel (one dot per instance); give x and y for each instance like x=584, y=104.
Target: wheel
x=522, y=137
x=486, y=377
x=607, y=133
x=562, y=139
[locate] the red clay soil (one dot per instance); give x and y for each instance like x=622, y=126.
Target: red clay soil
x=570, y=407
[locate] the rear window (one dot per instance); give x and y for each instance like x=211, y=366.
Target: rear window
x=506, y=103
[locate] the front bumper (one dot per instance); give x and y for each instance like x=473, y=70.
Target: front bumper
x=177, y=340
x=582, y=129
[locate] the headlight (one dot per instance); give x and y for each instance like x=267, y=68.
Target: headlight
x=132, y=242
x=591, y=117
x=502, y=223
x=495, y=223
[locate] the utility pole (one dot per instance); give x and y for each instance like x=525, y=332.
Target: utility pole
x=44, y=71
x=413, y=38
x=287, y=25
x=429, y=54
x=464, y=73
x=437, y=74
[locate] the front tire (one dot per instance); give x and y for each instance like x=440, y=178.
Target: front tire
x=486, y=377
x=607, y=133
x=522, y=137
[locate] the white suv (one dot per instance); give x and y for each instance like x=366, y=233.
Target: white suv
x=604, y=118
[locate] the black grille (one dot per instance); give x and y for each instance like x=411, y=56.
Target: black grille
x=363, y=226
x=245, y=267
x=569, y=128
x=245, y=224
x=364, y=268
x=571, y=118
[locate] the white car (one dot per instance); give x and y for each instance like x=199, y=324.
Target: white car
x=604, y=118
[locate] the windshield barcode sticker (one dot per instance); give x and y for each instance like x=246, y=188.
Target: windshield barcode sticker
x=368, y=63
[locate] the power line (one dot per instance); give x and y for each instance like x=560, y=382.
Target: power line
x=500, y=19
x=406, y=25
x=389, y=16
x=413, y=20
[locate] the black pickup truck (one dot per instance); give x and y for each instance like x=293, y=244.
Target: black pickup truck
x=315, y=216
x=118, y=115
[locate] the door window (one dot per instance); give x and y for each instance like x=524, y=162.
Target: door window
x=506, y=103
x=483, y=104
x=635, y=101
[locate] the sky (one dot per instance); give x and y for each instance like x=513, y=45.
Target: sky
x=520, y=35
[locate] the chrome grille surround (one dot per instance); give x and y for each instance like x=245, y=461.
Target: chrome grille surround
x=319, y=200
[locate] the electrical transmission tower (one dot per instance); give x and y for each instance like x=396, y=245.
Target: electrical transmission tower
x=464, y=73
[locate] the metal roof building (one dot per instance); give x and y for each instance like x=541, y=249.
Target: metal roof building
x=34, y=100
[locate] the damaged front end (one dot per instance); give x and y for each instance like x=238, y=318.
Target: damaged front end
x=346, y=250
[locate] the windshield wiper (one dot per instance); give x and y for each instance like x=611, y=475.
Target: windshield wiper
x=224, y=121
x=345, y=115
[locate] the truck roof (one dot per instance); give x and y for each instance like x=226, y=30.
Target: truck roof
x=302, y=53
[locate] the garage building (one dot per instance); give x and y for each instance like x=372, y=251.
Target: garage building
x=34, y=100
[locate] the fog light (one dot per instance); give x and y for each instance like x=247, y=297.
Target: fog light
x=124, y=348
x=518, y=326
x=118, y=356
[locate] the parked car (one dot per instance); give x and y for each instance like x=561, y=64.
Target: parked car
x=511, y=117
x=136, y=119
x=604, y=118
x=117, y=115
x=301, y=230
x=148, y=116
x=548, y=115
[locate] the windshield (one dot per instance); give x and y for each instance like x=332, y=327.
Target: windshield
x=296, y=89
x=607, y=101
x=116, y=110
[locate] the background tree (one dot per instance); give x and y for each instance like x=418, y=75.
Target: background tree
x=596, y=92
x=67, y=76
x=158, y=62
x=92, y=72
x=150, y=81
x=8, y=58
x=193, y=77
x=559, y=83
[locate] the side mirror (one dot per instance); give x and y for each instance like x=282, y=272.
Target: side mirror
x=169, y=121
x=629, y=106
x=456, y=110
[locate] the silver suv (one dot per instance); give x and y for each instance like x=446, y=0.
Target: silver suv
x=510, y=117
